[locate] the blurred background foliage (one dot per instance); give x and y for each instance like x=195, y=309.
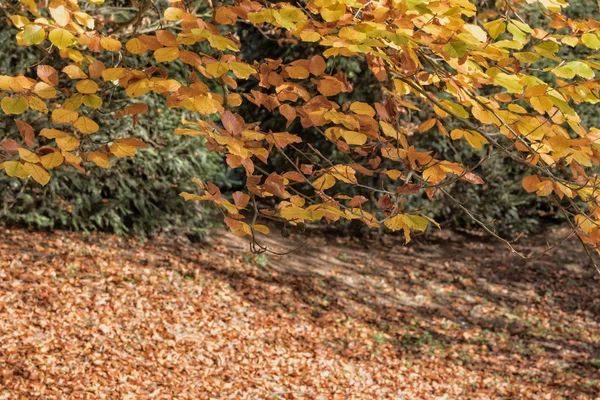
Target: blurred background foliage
x=140, y=195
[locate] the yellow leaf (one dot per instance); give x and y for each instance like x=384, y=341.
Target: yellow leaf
x=110, y=44
x=15, y=169
x=510, y=82
x=396, y=222
x=427, y=125
x=39, y=174
x=64, y=116
x=355, y=138
x=14, y=105
x=241, y=70
x=495, y=28
x=99, y=159
x=71, y=158
x=217, y=69
x=87, y=86
x=344, y=173
x=222, y=43
x=325, y=182
x=37, y=104
x=86, y=125
x=61, y=15
x=61, y=38
x=205, y=105
x=173, y=14
x=28, y=156
x=166, y=54
x=52, y=160
x=74, y=72
x=122, y=150
x=135, y=46
x=261, y=228
x=591, y=40
x=67, y=143
x=44, y=90
x=92, y=101
x=52, y=133
x=393, y=174
x=33, y=34
x=334, y=12
x=362, y=108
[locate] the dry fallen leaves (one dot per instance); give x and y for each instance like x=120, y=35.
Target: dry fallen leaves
x=89, y=317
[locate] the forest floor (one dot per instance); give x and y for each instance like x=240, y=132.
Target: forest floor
x=451, y=316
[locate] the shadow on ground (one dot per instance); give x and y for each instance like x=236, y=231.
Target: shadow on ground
x=453, y=297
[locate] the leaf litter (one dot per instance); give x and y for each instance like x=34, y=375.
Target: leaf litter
x=99, y=317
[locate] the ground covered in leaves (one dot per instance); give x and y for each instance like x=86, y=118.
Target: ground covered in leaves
x=93, y=317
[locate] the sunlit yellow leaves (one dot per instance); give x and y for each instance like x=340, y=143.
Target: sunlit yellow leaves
x=71, y=158
x=570, y=69
x=427, y=125
x=28, y=156
x=52, y=160
x=39, y=174
x=84, y=19
x=126, y=147
x=138, y=88
x=240, y=70
x=135, y=46
x=86, y=125
x=293, y=213
x=584, y=223
x=222, y=43
x=205, y=105
x=173, y=14
x=19, y=21
x=14, y=105
x=407, y=223
x=33, y=34
x=344, y=173
x=166, y=54
x=61, y=38
x=87, y=86
x=476, y=32
x=15, y=169
x=352, y=137
x=362, y=108
x=510, y=82
x=44, y=90
x=217, y=69
x=333, y=12
x=67, y=143
x=113, y=74
x=52, y=133
x=92, y=101
x=474, y=138
x=591, y=40
x=122, y=150
x=61, y=15
x=495, y=28
x=74, y=72
x=527, y=57
x=455, y=48
x=100, y=159
x=64, y=116
x=110, y=44
x=324, y=182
